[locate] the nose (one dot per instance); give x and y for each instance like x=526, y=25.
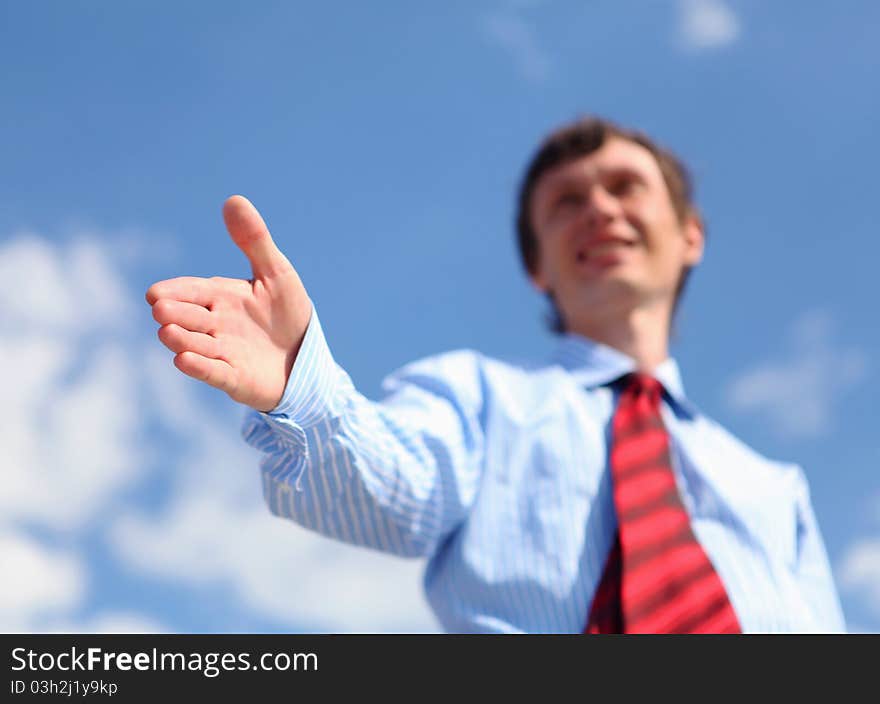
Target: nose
x=601, y=205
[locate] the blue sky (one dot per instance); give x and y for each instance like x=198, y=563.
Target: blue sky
x=383, y=143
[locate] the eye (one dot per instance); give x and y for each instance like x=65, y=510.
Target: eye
x=620, y=186
x=623, y=185
x=566, y=199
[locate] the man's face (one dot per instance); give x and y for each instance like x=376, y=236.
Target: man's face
x=609, y=238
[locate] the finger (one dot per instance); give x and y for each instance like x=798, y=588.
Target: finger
x=250, y=234
x=178, y=340
x=215, y=372
x=191, y=289
x=186, y=315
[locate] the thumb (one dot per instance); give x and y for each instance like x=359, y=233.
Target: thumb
x=249, y=232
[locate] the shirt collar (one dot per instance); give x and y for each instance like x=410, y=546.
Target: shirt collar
x=593, y=364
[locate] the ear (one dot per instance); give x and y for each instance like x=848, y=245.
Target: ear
x=695, y=239
x=536, y=275
x=538, y=281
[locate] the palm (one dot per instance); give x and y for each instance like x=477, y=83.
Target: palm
x=239, y=336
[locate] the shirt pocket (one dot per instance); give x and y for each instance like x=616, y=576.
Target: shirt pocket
x=743, y=492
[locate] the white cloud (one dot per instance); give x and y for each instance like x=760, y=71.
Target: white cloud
x=68, y=426
x=107, y=622
x=68, y=446
x=278, y=569
x=36, y=581
x=218, y=529
x=73, y=289
x=81, y=385
x=518, y=37
x=706, y=24
x=797, y=394
x=861, y=629
x=859, y=571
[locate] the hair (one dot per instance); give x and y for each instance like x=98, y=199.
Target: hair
x=580, y=138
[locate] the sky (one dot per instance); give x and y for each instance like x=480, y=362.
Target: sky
x=383, y=143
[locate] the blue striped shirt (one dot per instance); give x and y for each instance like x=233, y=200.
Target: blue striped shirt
x=498, y=474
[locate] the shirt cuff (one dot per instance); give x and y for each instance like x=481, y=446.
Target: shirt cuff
x=313, y=381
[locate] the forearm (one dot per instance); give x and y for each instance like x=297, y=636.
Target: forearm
x=395, y=476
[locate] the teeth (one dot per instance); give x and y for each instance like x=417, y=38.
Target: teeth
x=604, y=247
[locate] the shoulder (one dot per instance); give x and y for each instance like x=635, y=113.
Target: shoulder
x=770, y=496
x=753, y=464
x=473, y=375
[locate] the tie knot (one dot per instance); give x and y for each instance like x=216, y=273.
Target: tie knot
x=641, y=383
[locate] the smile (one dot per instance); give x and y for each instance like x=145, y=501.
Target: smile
x=601, y=249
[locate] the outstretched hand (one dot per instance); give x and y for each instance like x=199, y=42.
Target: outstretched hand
x=239, y=336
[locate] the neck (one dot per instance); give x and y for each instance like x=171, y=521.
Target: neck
x=641, y=333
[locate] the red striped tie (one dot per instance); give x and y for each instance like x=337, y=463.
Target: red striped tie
x=657, y=579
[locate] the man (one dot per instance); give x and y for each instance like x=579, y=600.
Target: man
x=587, y=494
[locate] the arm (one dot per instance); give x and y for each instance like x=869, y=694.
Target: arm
x=398, y=475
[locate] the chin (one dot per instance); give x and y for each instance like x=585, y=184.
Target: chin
x=609, y=291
